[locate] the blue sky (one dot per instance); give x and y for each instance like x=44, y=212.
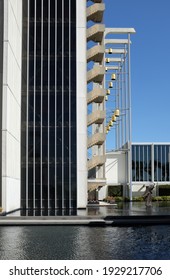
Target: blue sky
x=150, y=64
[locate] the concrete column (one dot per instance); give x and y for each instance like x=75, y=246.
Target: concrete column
x=11, y=104
x=81, y=106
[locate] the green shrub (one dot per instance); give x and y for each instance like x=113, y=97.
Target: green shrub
x=126, y=199
x=138, y=198
x=119, y=199
x=109, y=199
x=115, y=190
x=157, y=198
x=134, y=199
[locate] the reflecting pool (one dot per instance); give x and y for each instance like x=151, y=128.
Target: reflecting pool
x=85, y=243
x=81, y=243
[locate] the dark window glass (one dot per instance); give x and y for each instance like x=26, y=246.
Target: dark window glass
x=52, y=108
x=59, y=11
x=45, y=10
x=167, y=163
x=141, y=164
x=159, y=162
x=73, y=11
x=133, y=163
x=52, y=88
x=137, y=163
x=30, y=185
x=37, y=185
x=59, y=185
x=145, y=163
x=163, y=163
x=155, y=163
x=31, y=39
x=52, y=38
x=52, y=10
x=32, y=9
x=38, y=39
x=38, y=10
x=52, y=185
x=149, y=164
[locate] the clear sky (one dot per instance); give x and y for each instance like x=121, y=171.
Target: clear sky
x=150, y=64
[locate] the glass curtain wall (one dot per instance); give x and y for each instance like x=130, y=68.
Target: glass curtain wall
x=161, y=163
x=142, y=160
x=141, y=163
x=48, y=156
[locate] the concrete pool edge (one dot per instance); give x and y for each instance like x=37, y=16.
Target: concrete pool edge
x=114, y=221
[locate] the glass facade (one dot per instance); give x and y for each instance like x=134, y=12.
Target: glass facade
x=48, y=156
x=161, y=162
x=150, y=163
x=141, y=163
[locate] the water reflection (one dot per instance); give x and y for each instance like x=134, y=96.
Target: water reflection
x=121, y=208
x=48, y=212
x=78, y=242
x=74, y=242
x=12, y=243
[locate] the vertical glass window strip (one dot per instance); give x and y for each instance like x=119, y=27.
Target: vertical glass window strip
x=37, y=94
x=48, y=109
x=159, y=163
x=31, y=104
x=137, y=163
x=63, y=142
x=167, y=163
x=24, y=104
x=141, y=163
x=133, y=163
x=59, y=104
x=66, y=103
x=155, y=163
x=41, y=125
x=55, y=123
x=163, y=163
x=73, y=107
x=69, y=50
x=34, y=97
x=45, y=108
x=145, y=163
x=52, y=105
x=149, y=164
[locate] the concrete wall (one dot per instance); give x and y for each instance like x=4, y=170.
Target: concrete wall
x=115, y=172
x=81, y=106
x=11, y=113
x=115, y=169
x=1, y=82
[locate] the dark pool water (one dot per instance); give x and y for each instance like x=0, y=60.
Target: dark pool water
x=84, y=243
